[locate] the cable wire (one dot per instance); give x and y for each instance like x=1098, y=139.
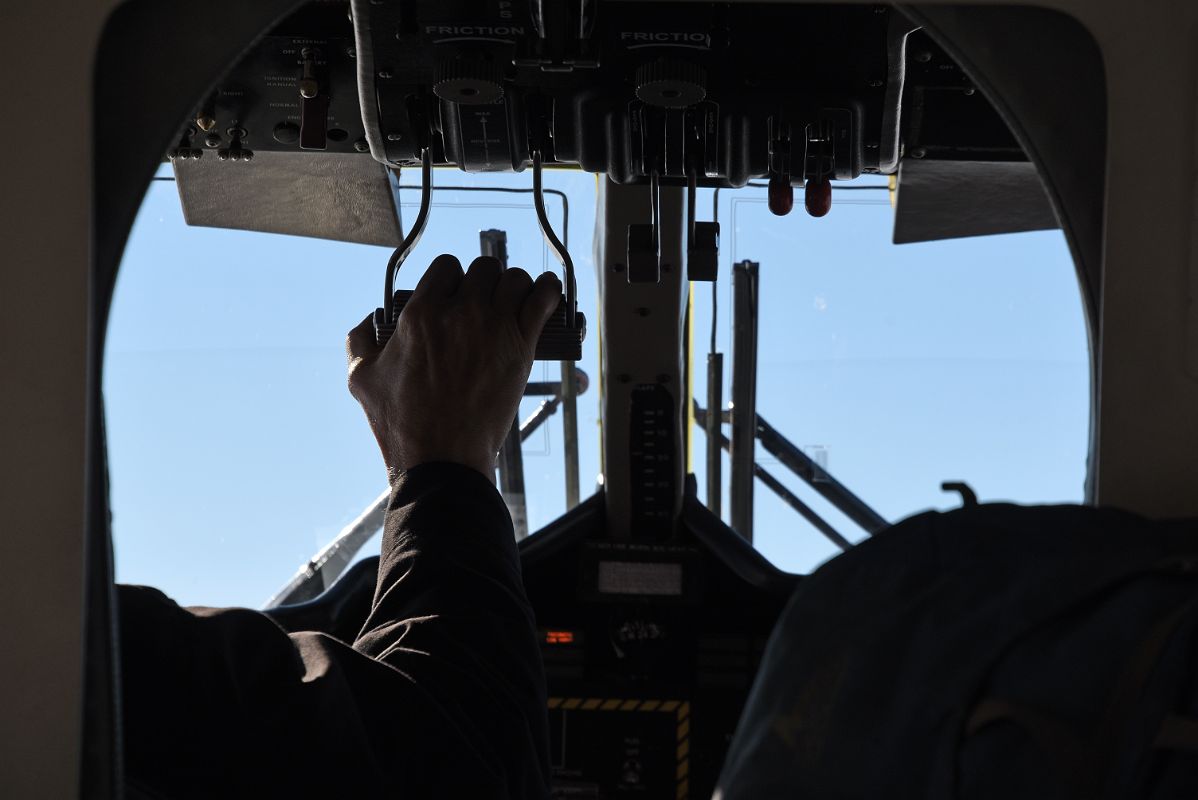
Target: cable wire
x=715, y=217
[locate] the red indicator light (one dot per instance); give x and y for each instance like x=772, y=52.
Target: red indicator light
x=559, y=637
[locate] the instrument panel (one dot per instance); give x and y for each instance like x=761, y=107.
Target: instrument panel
x=650, y=649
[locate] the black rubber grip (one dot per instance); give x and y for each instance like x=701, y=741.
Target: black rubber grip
x=557, y=342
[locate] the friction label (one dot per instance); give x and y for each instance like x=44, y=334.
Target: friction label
x=674, y=38
x=474, y=30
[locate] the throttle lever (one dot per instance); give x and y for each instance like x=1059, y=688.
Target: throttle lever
x=561, y=338
x=557, y=342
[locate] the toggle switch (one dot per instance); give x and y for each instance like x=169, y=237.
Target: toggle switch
x=644, y=258
x=314, y=106
x=703, y=252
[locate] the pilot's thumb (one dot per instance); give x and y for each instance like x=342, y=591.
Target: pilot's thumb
x=360, y=343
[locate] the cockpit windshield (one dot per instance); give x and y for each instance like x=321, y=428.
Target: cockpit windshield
x=236, y=453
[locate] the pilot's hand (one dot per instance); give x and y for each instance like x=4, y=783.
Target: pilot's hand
x=447, y=385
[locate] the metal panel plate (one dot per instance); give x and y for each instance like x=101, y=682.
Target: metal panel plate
x=951, y=199
x=346, y=197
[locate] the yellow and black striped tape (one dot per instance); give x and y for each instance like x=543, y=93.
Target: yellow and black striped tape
x=681, y=709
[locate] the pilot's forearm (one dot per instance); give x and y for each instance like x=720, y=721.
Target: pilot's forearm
x=450, y=611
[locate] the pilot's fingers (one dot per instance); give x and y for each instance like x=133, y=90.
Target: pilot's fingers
x=539, y=306
x=439, y=282
x=481, y=279
x=514, y=285
x=360, y=342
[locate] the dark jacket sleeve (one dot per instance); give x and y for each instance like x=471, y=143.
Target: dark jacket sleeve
x=442, y=694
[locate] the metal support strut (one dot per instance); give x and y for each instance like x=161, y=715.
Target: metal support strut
x=744, y=395
x=715, y=401
x=710, y=422
x=510, y=463
x=818, y=478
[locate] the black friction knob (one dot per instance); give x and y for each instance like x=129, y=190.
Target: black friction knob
x=671, y=84
x=468, y=81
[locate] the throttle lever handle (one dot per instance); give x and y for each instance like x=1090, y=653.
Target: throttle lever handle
x=557, y=342
x=560, y=339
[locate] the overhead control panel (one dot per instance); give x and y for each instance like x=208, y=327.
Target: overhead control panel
x=723, y=93
x=696, y=93
x=727, y=93
x=294, y=90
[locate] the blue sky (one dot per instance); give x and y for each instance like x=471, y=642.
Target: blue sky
x=236, y=452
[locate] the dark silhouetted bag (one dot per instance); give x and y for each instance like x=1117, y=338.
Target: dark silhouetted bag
x=990, y=652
